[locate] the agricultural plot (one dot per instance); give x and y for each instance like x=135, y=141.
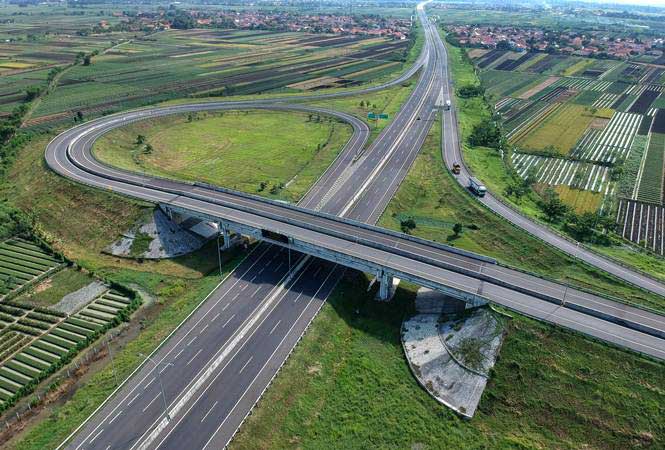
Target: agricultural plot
x=217, y=62
x=605, y=100
x=503, y=84
x=642, y=223
x=36, y=342
x=650, y=184
x=612, y=142
x=558, y=132
x=22, y=262
x=564, y=172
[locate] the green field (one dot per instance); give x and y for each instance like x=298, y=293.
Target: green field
x=559, y=132
x=213, y=62
x=287, y=151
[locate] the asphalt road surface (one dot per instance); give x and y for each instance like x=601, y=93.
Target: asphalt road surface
x=216, y=365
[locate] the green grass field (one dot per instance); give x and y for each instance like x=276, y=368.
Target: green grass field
x=238, y=150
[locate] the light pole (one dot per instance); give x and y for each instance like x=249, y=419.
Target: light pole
x=161, y=385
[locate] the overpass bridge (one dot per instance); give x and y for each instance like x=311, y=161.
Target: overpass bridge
x=472, y=278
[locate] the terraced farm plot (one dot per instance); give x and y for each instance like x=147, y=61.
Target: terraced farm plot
x=612, y=142
x=559, y=131
x=36, y=342
x=23, y=262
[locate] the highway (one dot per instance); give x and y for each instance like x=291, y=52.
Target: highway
x=258, y=310
x=216, y=365
x=451, y=152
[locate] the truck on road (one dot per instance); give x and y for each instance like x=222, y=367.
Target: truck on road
x=447, y=105
x=456, y=168
x=477, y=187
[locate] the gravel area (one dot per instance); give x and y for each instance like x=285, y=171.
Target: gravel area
x=450, y=355
x=73, y=301
x=168, y=239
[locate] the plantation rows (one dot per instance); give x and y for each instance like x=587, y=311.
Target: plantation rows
x=22, y=262
x=651, y=182
x=643, y=224
x=612, y=142
x=559, y=171
x=39, y=342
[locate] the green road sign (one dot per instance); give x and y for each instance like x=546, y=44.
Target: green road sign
x=376, y=116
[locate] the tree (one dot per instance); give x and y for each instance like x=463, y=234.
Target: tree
x=140, y=139
x=86, y=60
x=552, y=205
x=32, y=93
x=457, y=229
x=470, y=90
x=486, y=134
x=407, y=225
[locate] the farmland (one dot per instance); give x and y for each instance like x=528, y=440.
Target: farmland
x=37, y=341
x=23, y=262
x=591, y=129
x=559, y=131
x=211, y=63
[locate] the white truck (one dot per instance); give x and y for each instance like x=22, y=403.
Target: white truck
x=447, y=105
x=477, y=187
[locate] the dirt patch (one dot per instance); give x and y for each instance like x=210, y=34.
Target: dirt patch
x=599, y=123
x=537, y=88
x=44, y=285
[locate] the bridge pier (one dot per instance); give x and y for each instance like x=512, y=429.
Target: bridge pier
x=225, y=234
x=386, y=290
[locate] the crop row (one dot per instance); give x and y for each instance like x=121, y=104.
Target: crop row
x=605, y=101
x=41, y=355
x=559, y=171
x=612, y=142
x=22, y=262
x=650, y=184
x=643, y=224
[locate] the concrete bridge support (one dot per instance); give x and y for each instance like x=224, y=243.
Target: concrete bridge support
x=385, y=286
x=225, y=233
